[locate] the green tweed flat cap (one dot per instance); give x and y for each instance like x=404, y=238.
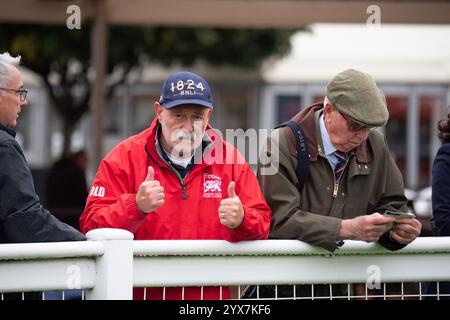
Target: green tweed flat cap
x=356, y=94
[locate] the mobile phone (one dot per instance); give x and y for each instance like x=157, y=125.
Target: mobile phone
x=399, y=215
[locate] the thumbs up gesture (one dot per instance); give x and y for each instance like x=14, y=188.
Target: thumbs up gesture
x=231, y=212
x=150, y=195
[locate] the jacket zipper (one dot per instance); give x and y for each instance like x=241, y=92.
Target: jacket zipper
x=184, y=191
x=336, y=183
x=181, y=181
x=336, y=188
x=177, y=175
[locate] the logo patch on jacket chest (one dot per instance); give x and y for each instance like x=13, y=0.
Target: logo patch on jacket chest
x=212, y=186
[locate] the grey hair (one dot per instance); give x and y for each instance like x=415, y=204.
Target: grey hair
x=326, y=101
x=7, y=63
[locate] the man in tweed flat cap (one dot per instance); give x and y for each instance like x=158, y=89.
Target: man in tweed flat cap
x=352, y=178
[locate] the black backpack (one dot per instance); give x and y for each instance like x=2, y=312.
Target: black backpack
x=302, y=172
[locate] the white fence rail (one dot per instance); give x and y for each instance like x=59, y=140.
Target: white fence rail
x=110, y=264
x=48, y=266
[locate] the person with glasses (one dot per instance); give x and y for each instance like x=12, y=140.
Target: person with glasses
x=22, y=93
x=352, y=177
x=22, y=217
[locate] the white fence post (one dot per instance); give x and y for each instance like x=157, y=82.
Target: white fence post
x=114, y=269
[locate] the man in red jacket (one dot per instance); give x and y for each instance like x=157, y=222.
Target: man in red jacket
x=178, y=180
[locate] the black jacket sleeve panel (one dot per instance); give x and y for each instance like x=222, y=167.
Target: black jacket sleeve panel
x=441, y=191
x=22, y=217
x=389, y=243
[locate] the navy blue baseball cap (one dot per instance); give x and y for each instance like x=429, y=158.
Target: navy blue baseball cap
x=185, y=88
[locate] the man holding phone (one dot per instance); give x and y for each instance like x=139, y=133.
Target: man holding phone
x=352, y=177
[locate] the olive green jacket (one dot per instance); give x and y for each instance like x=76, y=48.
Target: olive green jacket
x=370, y=183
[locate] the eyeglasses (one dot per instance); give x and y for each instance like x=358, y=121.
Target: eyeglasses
x=353, y=126
x=22, y=93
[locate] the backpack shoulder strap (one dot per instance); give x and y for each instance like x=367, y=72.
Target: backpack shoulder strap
x=302, y=170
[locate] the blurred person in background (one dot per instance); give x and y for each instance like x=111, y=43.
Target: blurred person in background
x=440, y=181
x=67, y=188
x=440, y=193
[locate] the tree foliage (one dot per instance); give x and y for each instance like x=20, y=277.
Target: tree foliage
x=62, y=56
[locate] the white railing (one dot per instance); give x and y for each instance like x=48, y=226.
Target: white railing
x=101, y=267
x=110, y=264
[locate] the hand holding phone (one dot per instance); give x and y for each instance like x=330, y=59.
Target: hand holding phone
x=399, y=215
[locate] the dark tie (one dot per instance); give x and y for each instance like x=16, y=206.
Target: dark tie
x=340, y=166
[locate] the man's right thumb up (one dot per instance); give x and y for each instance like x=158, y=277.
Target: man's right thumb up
x=150, y=174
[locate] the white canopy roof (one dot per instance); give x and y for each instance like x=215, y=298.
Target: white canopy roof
x=391, y=53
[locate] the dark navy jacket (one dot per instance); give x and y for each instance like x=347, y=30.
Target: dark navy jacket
x=440, y=196
x=22, y=217
x=440, y=187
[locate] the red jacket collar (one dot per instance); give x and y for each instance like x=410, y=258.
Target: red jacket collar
x=150, y=145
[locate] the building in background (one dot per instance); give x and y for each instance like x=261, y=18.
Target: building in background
x=410, y=63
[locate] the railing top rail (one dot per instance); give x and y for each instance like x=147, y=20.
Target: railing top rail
x=48, y=250
x=212, y=247
x=278, y=247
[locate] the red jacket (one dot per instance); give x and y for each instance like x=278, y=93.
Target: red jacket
x=190, y=209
